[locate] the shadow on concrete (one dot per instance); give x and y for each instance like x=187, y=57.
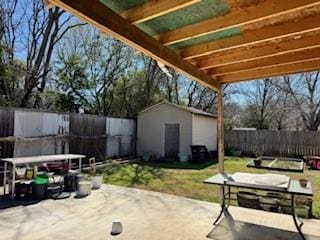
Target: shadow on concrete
x=229, y=229
x=7, y=202
x=134, y=173
x=179, y=165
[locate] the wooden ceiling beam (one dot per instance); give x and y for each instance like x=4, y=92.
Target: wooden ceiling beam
x=264, y=10
x=272, y=49
x=306, y=66
x=154, y=8
x=269, y=33
x=104, y=19
x=49, y=4
x=293, y=57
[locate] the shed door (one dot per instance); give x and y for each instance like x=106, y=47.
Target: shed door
x=172, y=140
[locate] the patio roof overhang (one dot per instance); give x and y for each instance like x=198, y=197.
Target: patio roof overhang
x=213, y=41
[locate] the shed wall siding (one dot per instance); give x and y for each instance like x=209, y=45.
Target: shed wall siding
x=150, y=135
x=204, y=131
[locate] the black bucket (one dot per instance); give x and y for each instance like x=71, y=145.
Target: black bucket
x=39, y=191
x=70, y=182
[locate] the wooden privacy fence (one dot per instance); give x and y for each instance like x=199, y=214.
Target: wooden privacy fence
x=280, y=143
x=29, y=132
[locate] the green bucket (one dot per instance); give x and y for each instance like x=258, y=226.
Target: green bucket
x=41, y=179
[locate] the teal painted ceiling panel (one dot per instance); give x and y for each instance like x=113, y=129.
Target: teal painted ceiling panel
x=208, y=38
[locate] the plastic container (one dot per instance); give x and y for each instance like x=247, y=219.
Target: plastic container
x=39, y=191
x=23, y=190
x=41, y=179
x=146, y=157
x=20, y=172
x=116, y=228
x=29, y=173
x=40, y=186
x=183, y=158
x=303, y=211
x=84, y=188
x=96, y=182
x=79, y=178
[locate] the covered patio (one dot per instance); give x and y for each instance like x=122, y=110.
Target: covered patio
x=144, y=215
x=213, y=42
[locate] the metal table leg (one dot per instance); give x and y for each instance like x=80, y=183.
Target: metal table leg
x=80, y=161
x=5, y=178
x=223, y=206
x=296, y=219
x=229, y=197
x=13, y=183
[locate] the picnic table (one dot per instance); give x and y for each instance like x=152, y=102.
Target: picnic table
x=20, y=161
x=227, y=181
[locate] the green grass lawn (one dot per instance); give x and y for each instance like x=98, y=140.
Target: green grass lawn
x=186, y=180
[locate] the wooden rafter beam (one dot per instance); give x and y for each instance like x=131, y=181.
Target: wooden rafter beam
x=283, y=59
x=97, y=14
x=273, y=49
x=264, y=10
x=154, y=8
x=269, y=33
x=306, y=66
x=49, y=4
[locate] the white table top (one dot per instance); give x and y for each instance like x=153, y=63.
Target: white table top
x=265, y=179
x=41, y=158
x=227, y=180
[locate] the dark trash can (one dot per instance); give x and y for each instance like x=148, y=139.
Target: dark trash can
x=39, y=191
x=70, y=182
x=23, y=190
x=40, y=186
x=199, y=154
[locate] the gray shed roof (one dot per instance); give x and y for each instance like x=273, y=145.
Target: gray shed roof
x=185, y=108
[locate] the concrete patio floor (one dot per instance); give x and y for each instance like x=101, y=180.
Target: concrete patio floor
x=144, y=214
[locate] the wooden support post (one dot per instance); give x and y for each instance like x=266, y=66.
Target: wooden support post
x=221, y=145
x=220, y=132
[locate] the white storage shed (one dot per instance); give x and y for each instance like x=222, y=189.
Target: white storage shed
x=166, y=130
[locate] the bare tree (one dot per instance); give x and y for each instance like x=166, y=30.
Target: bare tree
x=284, y=113
x=31, y=33
x=261, y=98
x=204, y=98
x=304, y=89
x=171, y=87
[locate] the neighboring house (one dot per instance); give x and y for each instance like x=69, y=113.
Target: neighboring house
x=166, y=129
